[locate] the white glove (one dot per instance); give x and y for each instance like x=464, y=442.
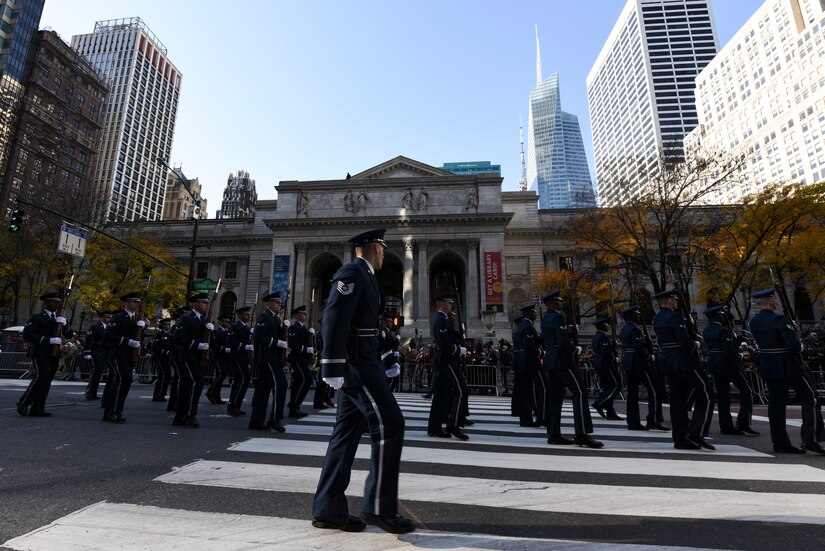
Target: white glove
x=60, y=319
x=801, y=347
x=741, y=356
x=311, y=331
x=226, y=351
x=55, y=340
x=618, y=359
x=251, y=330
x=210, y=327
x=398, y=338
x=282, y=344
x=141, y=324
x=87, y=357
x=133, y=343
x=653, y=357
x=334, y=382
x=249, y=347
x=395, y=354
x=286, y=323
x=697, y=345
x=310, y=350
x=462, y=351
x=203, y=346
x=394, y=371
x=578, y=350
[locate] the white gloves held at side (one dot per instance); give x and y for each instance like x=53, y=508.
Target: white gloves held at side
x=394, y=371
x=286, y=323
x=578, y=350
x=249, y=347
x=210, y=327
x=226, y=351
x=697, y=345
x=203, y=346
x=55, y=340
x=133, y=343
x=282, y=344
x=310, y=350
x=334, y=382
x=141, y=324
x=311, y=331
x=87, y=357
x=462, y=351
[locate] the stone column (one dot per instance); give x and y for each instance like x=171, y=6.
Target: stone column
x=298, y=297
x=473, y=312
x=407, y=292
x=347, y=254
x=423, y=296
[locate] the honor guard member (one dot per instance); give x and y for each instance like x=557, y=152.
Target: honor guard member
x=162, y=358
x=95, y=350
x=563, y=374
x=242, y=353
x=300, y=352
x=389, y=352
x=189, y=345
x=726, y=368
x=638, y=365
x=120, y=337
x=519, y=383
x=451, y=386
x=268, y=336
x=680, y=364
x=530, y=390
x=605, y=365
x=350, y=362
x=780, y=365
x=41, y=333
x=218, y=342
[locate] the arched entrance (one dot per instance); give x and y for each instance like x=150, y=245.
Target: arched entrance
x=391, y=282
x=447, y=271
x=320, y=282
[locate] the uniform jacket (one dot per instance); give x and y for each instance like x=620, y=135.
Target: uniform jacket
x=605, y=351
x=526, y=346
x=636, y=355
x=448, y=349
x=161, y=345
x=187, y=334
x=675, y=344
x=38, y=330
x=218, y=341
x=122, y=328
x=298, y=341
x=237, y=338
x=387, y=348
x=723, y=356
x=269, y=329
x=559, y=350
x=94, y=343
x=779, y=346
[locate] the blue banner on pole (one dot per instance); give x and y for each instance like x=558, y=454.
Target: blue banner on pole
x=280, y=274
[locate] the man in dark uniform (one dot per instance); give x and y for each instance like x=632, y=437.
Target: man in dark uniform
x=389, y=352
x=530, y=391
x=725, y=366
x=269, y=335
x=300, y=352
x=162, y=358
x=563, y=374
x=780, y=365
x=638, y=365
x=451, y=386
x=120, y=337
x=350, y=363
x=95, y=350
x=520, y=380
x=241, y=352
x=41, y=332
x=680, y=363
x=608, y=372
x=190, y=341
x=218, y=343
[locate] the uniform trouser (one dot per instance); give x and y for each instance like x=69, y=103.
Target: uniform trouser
x=174, y=385
x=558, y=382
x=240, y=379
x=38, y=390
x=448, y=397
x=647, y=378
x=301, y=379
x=522, y=399
x=712, y=394
x=322, y=392
x=190, y=387
x=722, y=382
x=371, y=403
x=611, y=382
x=221, y=372
x=271, y=378
x=163, y=369
x=394, y=382
x=119, y=380
x=682, y=384
x=778, y=401
x=98, y=366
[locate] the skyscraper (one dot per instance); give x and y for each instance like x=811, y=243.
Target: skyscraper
x=239, y=197
x=180, y=204
x=641, y=91
x=556, y=162
x=470, y=168
x=139, y=123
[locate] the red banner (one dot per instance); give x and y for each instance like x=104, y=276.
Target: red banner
x=493, y=285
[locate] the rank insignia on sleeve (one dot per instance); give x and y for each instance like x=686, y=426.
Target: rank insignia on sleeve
x=346, y=288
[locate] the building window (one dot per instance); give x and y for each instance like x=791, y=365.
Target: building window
x=202, y=270
x=231, y=270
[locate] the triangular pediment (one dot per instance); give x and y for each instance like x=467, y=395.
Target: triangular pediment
x=401, y=167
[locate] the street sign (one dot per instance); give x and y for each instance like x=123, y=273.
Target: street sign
x=72, y=241
x=204, y=285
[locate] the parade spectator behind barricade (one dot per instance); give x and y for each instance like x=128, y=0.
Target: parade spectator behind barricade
x=505, y=356
x=814, y=351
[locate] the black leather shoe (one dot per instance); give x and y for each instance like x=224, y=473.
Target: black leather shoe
x=171, y=407
x=427, y=396
x=40, y=413
x=733, y=432
x=22, y=410
x=296, y=414
x=117, y=419
x=749, y=431
x=658, y=426
x=321, y=407
x=613, y=416
x=637, y=427
x=394, y=524
x=275, y=426
x=560, y=440
x=686, y=445
x=812, y=447
x=347, y=524
x=530, y=424
x=705, y=445
x=458, y=433
x=467, y=423
x=787, y=448
x=600, y=410
x=179, y=422
x=235, y=412
x=439, y=433
x=588, y=441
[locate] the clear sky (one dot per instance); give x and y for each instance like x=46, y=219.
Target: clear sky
x=314, y=89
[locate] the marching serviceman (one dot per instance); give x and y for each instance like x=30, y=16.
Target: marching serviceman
x=95, y=349
x=41, y=332
x=268, y=337
x=162, y=358
x=563, y=374
x=300, y=352
x=680, y=363
x=120, y=337
x=638, y=365
x=780, y=365
x=241, y=355
x=190, y=344
x=389, y=351
x=350, y=362
x=726, y=367
x=220, y=353
x=530, y=389
x=608, y=372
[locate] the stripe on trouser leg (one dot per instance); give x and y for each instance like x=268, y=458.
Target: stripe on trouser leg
x=743, y=376
x=651, y=389
x=380, y=474
x=29, y=388
x=457, y=408
x=543, y=400
x=192, y=390
x=582, y=400
x=707, y=399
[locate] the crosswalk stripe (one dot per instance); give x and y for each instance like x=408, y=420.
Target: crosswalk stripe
x=105, y=526
x=683, y=503
x=598, y=463
x=417, y=414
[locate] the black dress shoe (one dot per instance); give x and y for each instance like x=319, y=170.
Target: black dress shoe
x=235, y=412
x=560, y=440
x=613, y=416
x=171, y=407
x=637, y=427
x=321, y=407
x=686, y=445
x=427, y=396
x=40, y=413
x=394, y=524
x=530, y=424
x=749, y=431
x=330, y=403
x=22, y=410
x=813, y=447
x=117, y=419
x=458, y=433
x=439, y=433
x=467, y=423
x=347, y=524
x=296, y=413
x=275, y=426
x=787, y=448
x=180, y=422
x=588, y=441
x=733, y=432
x=600, y=410
x=658, y=426
x=705, y=445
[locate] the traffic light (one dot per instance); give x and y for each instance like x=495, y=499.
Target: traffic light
x=16, y=221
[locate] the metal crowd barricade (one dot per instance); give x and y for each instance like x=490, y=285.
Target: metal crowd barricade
x=819, y=382
x=15, y=364
x=482, y=376
x=758, y=386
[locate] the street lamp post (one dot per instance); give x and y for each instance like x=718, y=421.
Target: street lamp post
x=190, y=282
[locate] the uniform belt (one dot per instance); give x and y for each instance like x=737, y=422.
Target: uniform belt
x=712, y=350
x=520, y=350
x=669, y=346
x=358, y=332
x=774, y=350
